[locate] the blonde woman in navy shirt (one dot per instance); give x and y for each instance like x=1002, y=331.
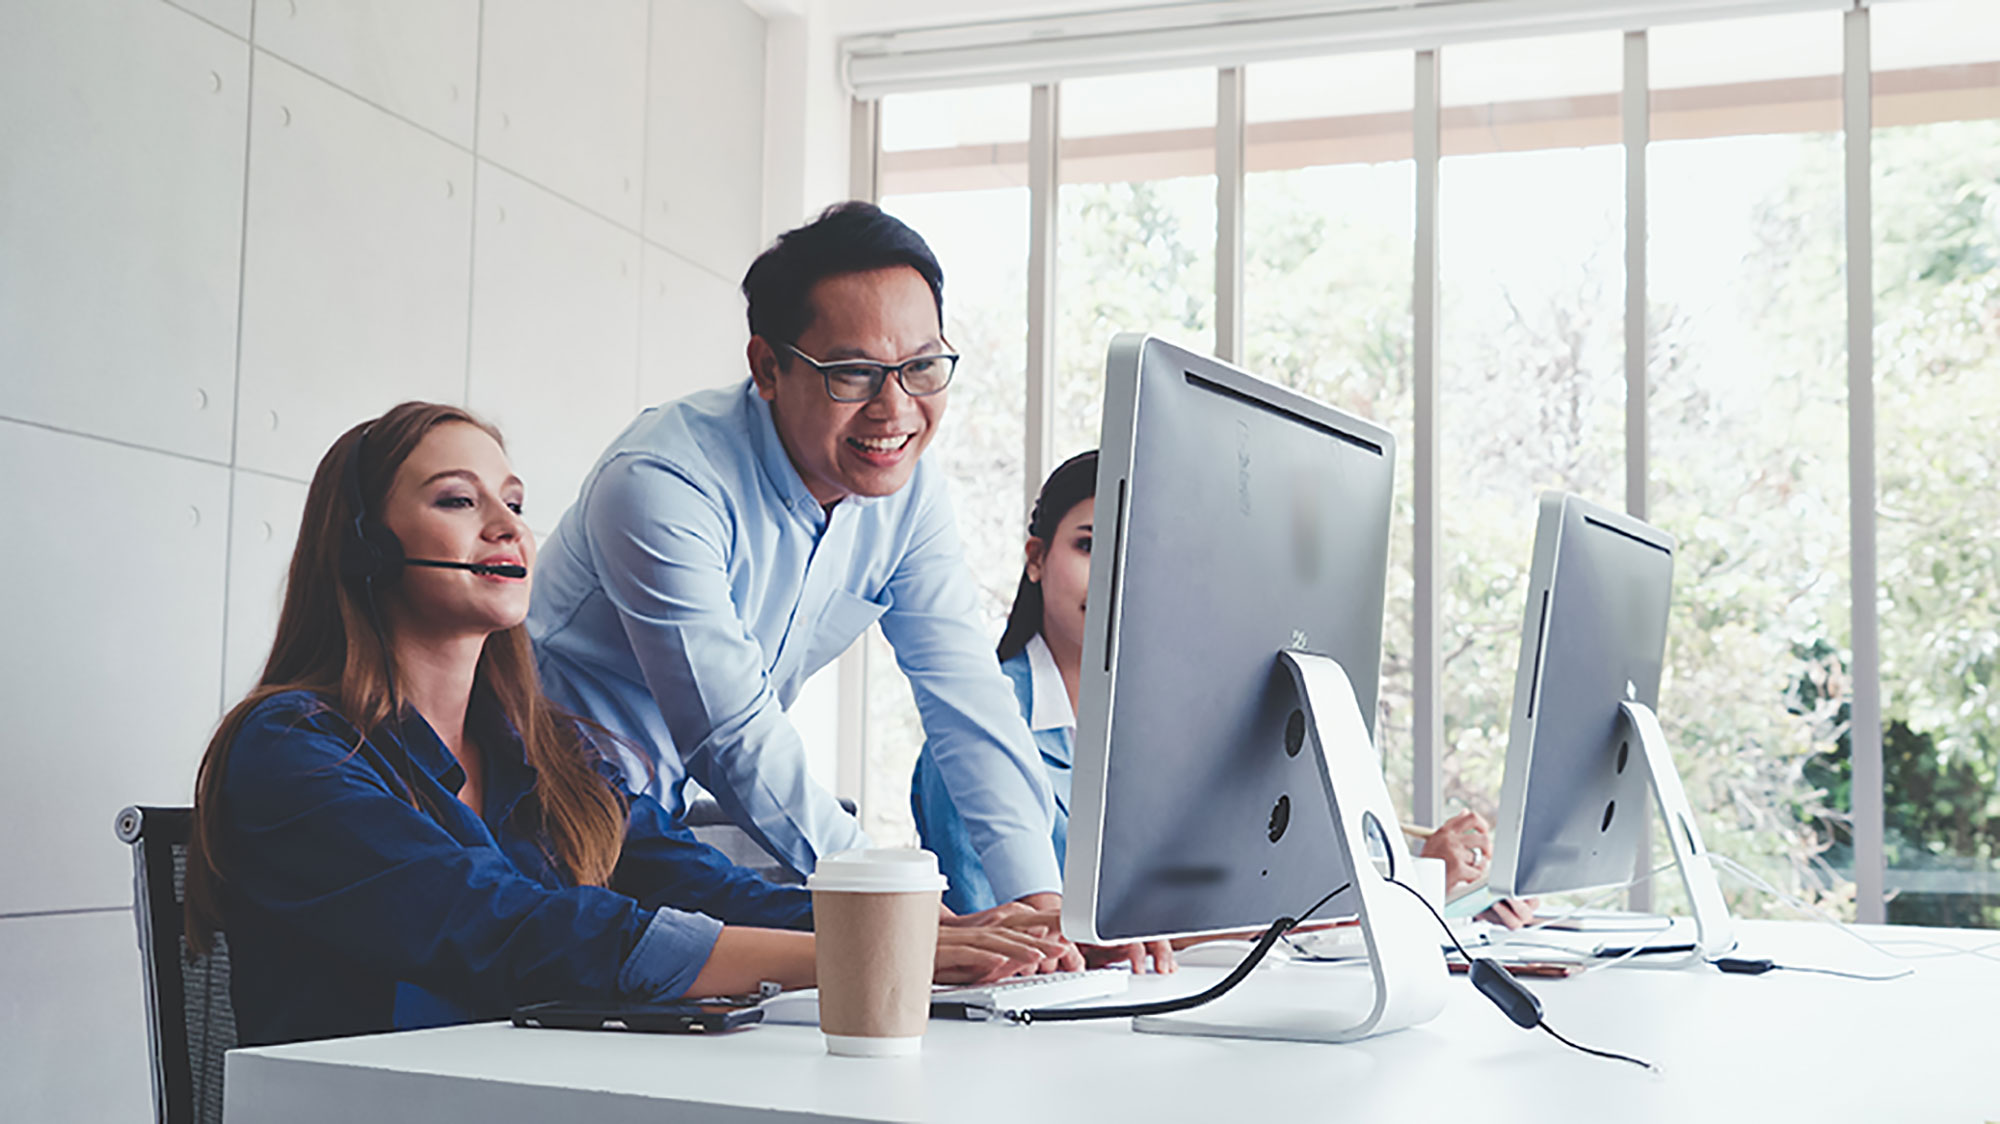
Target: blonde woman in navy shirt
x=396, y=828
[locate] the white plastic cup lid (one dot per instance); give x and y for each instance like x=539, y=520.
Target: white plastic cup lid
x=878, y=870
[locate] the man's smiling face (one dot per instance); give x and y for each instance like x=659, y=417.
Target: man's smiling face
x=867, y=448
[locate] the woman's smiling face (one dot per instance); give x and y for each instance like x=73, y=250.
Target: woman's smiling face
x=456, y=498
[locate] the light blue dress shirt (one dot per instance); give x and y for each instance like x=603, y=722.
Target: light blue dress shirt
x=1041, y=696
x=696, y=584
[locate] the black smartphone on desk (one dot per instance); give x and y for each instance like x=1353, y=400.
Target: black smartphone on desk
x=654, y=1018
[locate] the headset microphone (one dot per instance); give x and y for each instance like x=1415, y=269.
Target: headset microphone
x=497, y=570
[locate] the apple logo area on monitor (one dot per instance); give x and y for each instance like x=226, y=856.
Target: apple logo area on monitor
x=1584, y=745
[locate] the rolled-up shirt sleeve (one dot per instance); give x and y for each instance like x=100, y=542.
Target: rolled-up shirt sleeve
x=317, y=839
x=660, y=543
x=972, y=724
x=669, y=955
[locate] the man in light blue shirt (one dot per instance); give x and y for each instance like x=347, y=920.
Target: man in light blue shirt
x=729, y=544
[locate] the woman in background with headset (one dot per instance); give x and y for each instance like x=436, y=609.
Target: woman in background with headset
x=397, y=829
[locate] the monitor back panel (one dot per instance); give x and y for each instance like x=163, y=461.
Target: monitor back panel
x=1593, y=634
x=1234, y=519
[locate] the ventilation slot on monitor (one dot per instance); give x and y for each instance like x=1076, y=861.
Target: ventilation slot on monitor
x=1117, y=567
x=1535, y=668
x=1214, y=387
x=1622, y=533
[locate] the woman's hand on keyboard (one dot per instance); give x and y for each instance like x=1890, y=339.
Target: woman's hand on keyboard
x=981, y=954
x=1025, y=919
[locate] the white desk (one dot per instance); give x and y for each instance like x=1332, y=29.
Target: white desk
x=1782, y=1046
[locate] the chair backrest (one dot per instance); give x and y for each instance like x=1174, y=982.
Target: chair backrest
x=713, y=826
x=187, y=997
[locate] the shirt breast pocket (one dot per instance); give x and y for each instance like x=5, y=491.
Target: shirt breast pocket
x=841, y=623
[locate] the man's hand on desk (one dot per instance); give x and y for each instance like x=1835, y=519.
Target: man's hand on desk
x=1465, y=843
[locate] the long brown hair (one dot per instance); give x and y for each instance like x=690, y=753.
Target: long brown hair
x=326, y=644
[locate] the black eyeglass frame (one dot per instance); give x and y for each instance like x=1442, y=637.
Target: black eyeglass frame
x=880, y=373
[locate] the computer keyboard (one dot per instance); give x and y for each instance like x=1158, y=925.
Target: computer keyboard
x=1024, y=993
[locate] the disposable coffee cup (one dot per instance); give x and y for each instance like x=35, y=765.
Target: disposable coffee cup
x=1429, y=880
x=875, y=923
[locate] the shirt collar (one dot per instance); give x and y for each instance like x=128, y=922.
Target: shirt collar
x=508, y=771
x=1049, y=707
x=777, y=463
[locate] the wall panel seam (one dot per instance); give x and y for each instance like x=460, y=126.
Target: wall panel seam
x=78, y=911
x=198, y=17
x=472, y=199
x=236, y=376
x=117, y=441
x=472, y=151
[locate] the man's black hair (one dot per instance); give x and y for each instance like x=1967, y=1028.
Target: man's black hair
x=851, y=237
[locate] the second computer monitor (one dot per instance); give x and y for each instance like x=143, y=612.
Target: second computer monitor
x=1593, y=636
x=1235, y=519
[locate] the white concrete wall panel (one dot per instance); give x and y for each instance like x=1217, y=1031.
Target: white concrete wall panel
x=264, y=525
x=563, y=98
x=73, y=1015
x=555, y=335
x=705, y=129
x=231, y=15
x=113, y=663
x=121, y=194
x=692, y=333
x=419, y=61
x=355, y=269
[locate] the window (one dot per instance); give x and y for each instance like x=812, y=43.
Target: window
x=1531, y=385
x=1135, y=231
x=1745, y=339
x=1328, y=215
x=1936, y=194
x=1747, y=413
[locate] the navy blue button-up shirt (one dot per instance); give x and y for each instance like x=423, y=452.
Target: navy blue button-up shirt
x=348, y=911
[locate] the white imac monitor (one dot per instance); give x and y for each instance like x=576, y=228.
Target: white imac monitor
x=1584, y=747
x=1241, y=556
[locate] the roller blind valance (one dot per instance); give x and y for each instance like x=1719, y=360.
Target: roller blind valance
x=1171, y=36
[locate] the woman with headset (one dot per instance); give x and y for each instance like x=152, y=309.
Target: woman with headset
x=396, y=828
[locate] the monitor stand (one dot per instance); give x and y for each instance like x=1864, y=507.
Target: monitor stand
x=1401, y=936
x=1715, y=932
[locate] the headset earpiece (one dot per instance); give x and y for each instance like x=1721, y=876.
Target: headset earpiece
x=368, y=550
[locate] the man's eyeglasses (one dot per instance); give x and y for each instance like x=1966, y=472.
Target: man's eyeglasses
x=858, y=380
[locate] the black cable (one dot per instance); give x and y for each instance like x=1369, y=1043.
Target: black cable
x=1595, y=1052
x=1236, y=976
x=1506, y=993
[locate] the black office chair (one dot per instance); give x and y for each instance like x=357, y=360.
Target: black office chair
x=713, y=826
x=187, y=998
